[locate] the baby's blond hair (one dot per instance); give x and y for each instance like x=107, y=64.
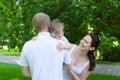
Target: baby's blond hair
x=57, y=25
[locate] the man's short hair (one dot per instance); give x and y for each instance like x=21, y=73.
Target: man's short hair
x=40, y=21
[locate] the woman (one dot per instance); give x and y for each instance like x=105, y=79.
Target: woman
x=82, y=58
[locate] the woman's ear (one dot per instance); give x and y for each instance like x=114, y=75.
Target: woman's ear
x=92, y=48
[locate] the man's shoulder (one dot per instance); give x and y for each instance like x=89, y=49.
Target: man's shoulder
x=57, y=41
x=29, y=42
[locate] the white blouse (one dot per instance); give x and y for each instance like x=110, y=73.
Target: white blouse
x=77, y=70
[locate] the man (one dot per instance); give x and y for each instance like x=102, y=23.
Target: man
x=40, y=58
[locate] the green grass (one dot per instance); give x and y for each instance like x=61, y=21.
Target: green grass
x=102, y=77
x=9, y=52
x=13, y=72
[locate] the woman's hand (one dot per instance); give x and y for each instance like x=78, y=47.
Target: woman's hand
x=74, y=75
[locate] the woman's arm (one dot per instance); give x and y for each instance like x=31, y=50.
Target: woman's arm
x=84, y=74
x=74, y=75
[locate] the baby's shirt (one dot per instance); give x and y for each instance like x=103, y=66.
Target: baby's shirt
x=65, y=39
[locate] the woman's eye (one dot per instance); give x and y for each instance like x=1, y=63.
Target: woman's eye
x=85, y=41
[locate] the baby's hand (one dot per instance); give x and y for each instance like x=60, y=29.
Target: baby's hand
x=34, y=38
x=60, y=46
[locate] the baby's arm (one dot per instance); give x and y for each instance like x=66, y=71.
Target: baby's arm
x=61, y=46
x=66, y=46
x=65, y=39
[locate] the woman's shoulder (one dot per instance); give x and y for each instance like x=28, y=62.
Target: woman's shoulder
x=75, y=47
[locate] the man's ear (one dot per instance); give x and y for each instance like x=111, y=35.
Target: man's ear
x=49, y=26
x=92, y=48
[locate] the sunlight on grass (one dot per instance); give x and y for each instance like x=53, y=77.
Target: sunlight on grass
x=9, y=52
x=5, y=47
x=15, y=79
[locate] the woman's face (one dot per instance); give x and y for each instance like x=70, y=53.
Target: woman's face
x=85, y=43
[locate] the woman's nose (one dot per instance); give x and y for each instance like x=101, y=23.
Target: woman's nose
x=81, y=41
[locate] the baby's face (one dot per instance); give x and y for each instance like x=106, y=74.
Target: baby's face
x=59, y=35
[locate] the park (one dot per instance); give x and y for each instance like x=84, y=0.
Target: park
x=80, y=17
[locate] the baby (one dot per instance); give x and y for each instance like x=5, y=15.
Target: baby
x=57, y=32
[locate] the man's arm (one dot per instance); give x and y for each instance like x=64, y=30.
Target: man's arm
x=26, y=71
x=23, y=61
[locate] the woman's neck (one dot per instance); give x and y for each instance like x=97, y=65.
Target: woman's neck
x=82, y=53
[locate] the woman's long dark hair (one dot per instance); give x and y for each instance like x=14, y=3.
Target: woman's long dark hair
x=91, y=56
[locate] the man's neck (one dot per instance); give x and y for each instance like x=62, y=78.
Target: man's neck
x=45, y=30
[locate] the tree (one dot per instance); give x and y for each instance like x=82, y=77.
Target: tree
x=80, y=17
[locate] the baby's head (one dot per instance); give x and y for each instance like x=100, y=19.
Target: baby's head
x=57, y=29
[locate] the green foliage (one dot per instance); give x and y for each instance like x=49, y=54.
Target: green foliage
x=106, y=43
x=114, y=54
x=108, y=62
x=80, y=17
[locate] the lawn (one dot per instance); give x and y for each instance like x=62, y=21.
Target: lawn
x=13, y=72
x=9, y=52
x=102, y=77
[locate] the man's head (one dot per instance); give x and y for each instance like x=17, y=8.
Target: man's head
x=41, y=21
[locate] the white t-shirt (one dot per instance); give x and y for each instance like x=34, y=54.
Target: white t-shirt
x=42, y=57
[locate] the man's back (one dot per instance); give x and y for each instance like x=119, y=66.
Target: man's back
x=42, y=57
